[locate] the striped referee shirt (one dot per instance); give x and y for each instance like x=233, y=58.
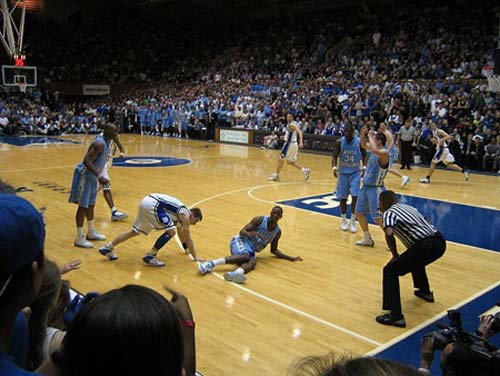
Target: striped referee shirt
x=408, y=224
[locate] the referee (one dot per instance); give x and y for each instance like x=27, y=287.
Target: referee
x=425, y=245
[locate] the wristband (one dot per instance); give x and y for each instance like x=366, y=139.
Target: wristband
x=423, y=371
x=334, y=167
x=185, y=246
x=188, y=324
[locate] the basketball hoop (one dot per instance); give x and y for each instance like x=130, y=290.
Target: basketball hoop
x=22, y=87
x=493, y=79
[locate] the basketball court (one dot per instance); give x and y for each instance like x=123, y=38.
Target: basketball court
x=286, y=310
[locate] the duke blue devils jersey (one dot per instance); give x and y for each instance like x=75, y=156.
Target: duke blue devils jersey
x=264, y=236
x=435, y=134
x=291, y=136
x=168, y=208
x=374, y=174
x=350, y=156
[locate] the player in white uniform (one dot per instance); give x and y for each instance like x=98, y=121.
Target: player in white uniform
x=393, y=151
x=106, y=188
x=290, y=149
x=440, y=138
x=159, y=212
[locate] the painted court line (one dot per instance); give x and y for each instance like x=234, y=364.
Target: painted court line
x=38, y=168
x=273, y=301
x=430, y=321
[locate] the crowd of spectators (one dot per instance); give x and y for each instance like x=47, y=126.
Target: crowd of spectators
x=417, y=61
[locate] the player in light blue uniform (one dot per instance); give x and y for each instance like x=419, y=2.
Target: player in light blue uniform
x=86, y=177
x=253, y=238
x=350, y=154
x=373, y=182
x=159, y=212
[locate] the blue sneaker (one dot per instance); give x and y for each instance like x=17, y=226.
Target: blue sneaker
x=206, y=267
x=153, y=261
x=108, y=252
x=235, y=277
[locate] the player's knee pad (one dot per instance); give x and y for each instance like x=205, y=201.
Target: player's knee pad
x=162, y=240
x=106, y=187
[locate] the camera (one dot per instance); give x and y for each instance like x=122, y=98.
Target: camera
x=486, y=356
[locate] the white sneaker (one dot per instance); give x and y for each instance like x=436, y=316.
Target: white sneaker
x=352, y=226
x=425, y=180
x=274, y=177
x=406, y=180
x=153, y=261
x=117, y=216
x=365, y=243
x=235, y=277
x=83, y=243
x=307, y=173
x=467, y=174
x=95, y=236
x=345, y=224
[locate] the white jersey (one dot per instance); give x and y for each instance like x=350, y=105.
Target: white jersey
x=291, y=136
x=440, y=143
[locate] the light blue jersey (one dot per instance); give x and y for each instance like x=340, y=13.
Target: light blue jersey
x=250, y=246
x=350, y=156
x=374, y=174
x=85, y=183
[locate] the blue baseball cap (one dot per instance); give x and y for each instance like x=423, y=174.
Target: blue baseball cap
x=22, y=235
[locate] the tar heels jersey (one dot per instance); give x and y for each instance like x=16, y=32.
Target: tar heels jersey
x=168, y=208
x=350, y=156
x=264, y=237
x=374, y=174
x=100, y=160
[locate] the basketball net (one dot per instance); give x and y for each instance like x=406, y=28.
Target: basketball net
x=493, y=79
x=22, y=87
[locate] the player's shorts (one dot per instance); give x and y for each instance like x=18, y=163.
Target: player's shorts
x=148, y=218
x=289, y=151
x=368, y=201
x=443, y=155
x=83, y=187
x=348, y=184
x=240, y=246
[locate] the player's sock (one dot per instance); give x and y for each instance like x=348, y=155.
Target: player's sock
x=366, y=235
x=91, y=226
x=152, y=253
x=113, y=209
x=110, y=245
x=79, y=232
x=343, y=216
x=240, y=271
x=428, y=177
x=220, y=261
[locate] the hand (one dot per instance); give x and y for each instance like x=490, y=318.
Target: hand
x=335, y=172
x=301, y=145
x=181, y=304
x=75, y=264
x=296, y=258
x=427, y=352
x=485, y=325
x=122, y=154
x=364, y=131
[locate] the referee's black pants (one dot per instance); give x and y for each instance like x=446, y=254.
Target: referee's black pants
x=406, y=153
x=413, y=260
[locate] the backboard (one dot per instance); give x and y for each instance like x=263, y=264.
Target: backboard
x=19, y=76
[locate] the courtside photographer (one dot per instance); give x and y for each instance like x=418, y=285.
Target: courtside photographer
x=463, y=353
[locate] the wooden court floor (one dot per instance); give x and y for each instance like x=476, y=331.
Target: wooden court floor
x=286, y=310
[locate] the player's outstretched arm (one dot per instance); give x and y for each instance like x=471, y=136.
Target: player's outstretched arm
x=275, y=251
x=185, y=235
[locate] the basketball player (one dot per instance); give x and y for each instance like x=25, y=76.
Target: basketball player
x=373, y=182
x=86, y=177
x=349, y=173
x=159, y=212
x=393, y=151
x=253, y=238
x=440, y=138
x=106, y=188
x=290, y=149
